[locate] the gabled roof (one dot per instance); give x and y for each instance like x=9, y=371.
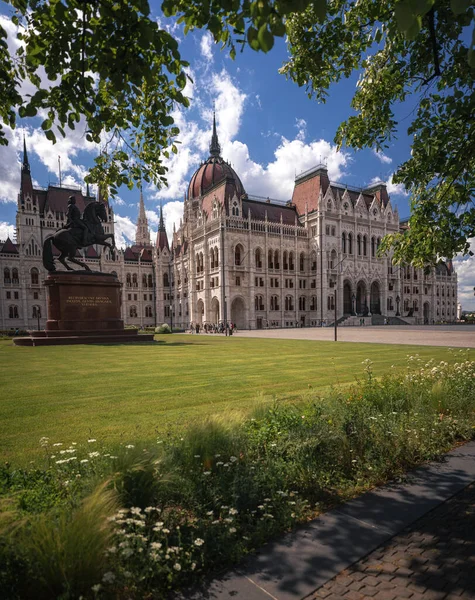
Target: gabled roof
x=274, y=211
x=9, y=247
x=91, y=252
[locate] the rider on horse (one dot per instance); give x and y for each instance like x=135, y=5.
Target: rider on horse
x=74, y=220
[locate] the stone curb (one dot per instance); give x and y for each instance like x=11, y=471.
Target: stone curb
x=300, y=562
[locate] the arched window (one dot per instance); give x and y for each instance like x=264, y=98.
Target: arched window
x=270, y=260
x=313, y=303
x=150, y=281
x=332, y=264
x=302, y=261
x=274, y=303
x=276, y=260
x=166, y=282
x=13, y=312
x=216, y=257
x=373, y=246
x=34, y=276
x=378, y=243
x=148, y=311
x=343, y=242
x=331, y=302
x=6, y=275
x=133, y=311
x=36, y=312
x=364, y=245
x=238, y=255
x=258, y=255
x=313, y=260
x=235, y=209
x=211, y=258
x=350, y=243
x=15, y=276
x=144, y=280
x=358, y=244
x=128, y=280
x=259, y=303
x=302, y=303
x=285, y=260
x=291, y=261
x=289, y=303
x=202, y=262
x=134, y=280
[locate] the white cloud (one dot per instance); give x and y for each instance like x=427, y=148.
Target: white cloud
x=382, y=157
x=206, y=46
x=465, y=269
x=276, y=179
x=10, y=165
x=125, y=231
x=6, y=231
x=172, y=213
x=397, y=189
x=301, y=125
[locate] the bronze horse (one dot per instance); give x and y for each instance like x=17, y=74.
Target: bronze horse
x=68, y=240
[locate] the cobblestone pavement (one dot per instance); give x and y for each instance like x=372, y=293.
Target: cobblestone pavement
x=434, y=559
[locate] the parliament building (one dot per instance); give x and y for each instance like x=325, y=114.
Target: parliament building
x=236, y=257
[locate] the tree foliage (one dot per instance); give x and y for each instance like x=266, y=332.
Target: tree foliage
x=111, y=68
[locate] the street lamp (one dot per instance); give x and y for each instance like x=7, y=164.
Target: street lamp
x=398, y=299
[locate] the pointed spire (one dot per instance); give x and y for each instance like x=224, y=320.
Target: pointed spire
x=142, y=237
x=214, y=147
x=162, y=238
x=26, y=164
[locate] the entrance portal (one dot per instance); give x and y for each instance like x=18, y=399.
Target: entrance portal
x=238, y=313
x=361, y=308
x=214, y=311
x=375, y=302
x=347, y=308
x=200, y=309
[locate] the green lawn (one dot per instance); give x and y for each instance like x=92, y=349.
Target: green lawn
x=131, y=392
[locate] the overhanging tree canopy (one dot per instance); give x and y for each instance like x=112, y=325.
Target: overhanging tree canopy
x=109, y=62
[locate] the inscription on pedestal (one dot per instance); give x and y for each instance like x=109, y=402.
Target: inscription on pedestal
x=88, y=300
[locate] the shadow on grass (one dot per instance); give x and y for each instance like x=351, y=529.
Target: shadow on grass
x=154, y=343
x=430, y=509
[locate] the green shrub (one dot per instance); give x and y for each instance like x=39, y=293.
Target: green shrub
x=165, y=328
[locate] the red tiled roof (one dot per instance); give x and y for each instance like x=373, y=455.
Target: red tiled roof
x=9, y=247
x=274, y=211
x=162, y=240
x=56, y=199
x=129, y=254
x=91, y=252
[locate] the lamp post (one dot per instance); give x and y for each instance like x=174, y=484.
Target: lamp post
x=171, y=296
x=398, y=299
x=336, y=322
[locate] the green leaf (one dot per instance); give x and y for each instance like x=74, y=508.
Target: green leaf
x=265, y=38
x=460, y=6
x=404, y=15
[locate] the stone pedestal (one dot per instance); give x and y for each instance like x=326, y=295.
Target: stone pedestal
x=83, y=308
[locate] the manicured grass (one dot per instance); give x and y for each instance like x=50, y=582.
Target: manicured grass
x=125, y=392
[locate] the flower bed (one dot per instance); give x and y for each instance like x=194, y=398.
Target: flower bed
x=139, y=522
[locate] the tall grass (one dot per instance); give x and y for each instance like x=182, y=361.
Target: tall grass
x=194, y=503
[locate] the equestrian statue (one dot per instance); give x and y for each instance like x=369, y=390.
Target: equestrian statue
x=78, y=233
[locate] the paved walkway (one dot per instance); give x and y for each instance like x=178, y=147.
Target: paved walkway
x=412, y=540
x=454, y=336
x=434, y=559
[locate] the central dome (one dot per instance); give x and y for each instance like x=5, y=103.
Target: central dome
x=214, y=170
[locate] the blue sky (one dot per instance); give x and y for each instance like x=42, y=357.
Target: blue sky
x=268, y=129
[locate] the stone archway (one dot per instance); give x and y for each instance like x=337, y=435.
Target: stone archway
x=375, y=299
x=238, y=312
x=347, y=304
x=214, y=310
x=361, y=308
x=200, y=311
x=426, y=312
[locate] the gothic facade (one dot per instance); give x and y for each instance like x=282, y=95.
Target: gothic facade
x=237, y=257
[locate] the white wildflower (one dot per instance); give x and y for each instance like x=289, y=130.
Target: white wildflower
x=177, y=567
x=108, y=577
x=199, y=542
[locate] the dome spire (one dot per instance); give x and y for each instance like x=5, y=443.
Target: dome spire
x=214, y=147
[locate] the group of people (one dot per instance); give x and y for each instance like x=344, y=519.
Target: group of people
x=213, y=328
